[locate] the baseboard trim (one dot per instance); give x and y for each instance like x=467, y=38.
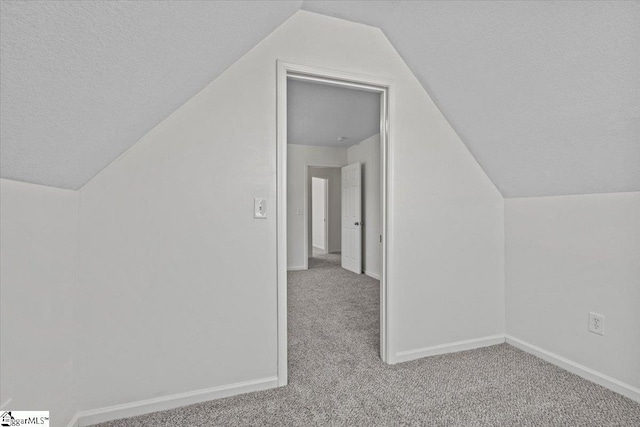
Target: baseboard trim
x=300, y=268
x=74, y=421
x=372, y=275
x=613, y=384
x=95, y=416
x=454, y=347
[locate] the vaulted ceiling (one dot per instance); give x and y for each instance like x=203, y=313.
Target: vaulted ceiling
x=546, y=95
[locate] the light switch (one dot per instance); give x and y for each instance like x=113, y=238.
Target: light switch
x=299, y=211
x=259, y=208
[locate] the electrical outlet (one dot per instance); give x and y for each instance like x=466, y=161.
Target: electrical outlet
x=596, y=323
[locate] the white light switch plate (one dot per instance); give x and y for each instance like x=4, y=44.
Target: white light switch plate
x=259, y=208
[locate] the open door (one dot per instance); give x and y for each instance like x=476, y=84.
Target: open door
x=352, y=218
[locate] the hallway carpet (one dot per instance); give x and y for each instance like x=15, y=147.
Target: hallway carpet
x=337, y=379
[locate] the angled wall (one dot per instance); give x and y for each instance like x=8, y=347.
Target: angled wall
x=180, y=279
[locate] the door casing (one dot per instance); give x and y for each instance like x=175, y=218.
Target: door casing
x=384, y=87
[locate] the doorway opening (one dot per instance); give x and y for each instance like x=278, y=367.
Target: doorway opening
x=319, y=215
x=328, y=215
x=362, y=162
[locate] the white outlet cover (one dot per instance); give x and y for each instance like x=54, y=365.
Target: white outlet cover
x=596, y=323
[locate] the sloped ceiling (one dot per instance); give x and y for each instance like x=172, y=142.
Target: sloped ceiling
x=83, y=81
x=546, y=95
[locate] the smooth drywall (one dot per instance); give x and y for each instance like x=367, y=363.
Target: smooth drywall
x=299, y=157
x=318, y=202
x=38, y=276
x=179, y=279
x=367, y=152
x=334, y=226
x=567, y=256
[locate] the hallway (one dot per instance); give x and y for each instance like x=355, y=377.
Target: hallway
x=333, y=326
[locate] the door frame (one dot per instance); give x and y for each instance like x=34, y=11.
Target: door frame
x=307, y=212
x=384, y=87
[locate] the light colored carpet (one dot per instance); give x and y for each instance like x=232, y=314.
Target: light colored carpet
x=337, y=379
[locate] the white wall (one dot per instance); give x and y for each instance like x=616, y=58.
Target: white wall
x=38, y=276
x=567, y=256
x=318, y=199
x=298, y=156
x=334, y=180
x=179, y=279
x=367, y=152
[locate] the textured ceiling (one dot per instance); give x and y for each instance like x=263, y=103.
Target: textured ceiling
x=83, y=81
x=319, y=114
x=546, y=95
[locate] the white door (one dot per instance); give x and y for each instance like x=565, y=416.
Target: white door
x=352, y=218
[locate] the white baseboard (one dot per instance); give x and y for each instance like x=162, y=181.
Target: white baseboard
x=624, y=389
x=454, y=347
x=74, y=421
x=95, y=416
x=613, y=384
x=297, y=268
x=373, y=275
